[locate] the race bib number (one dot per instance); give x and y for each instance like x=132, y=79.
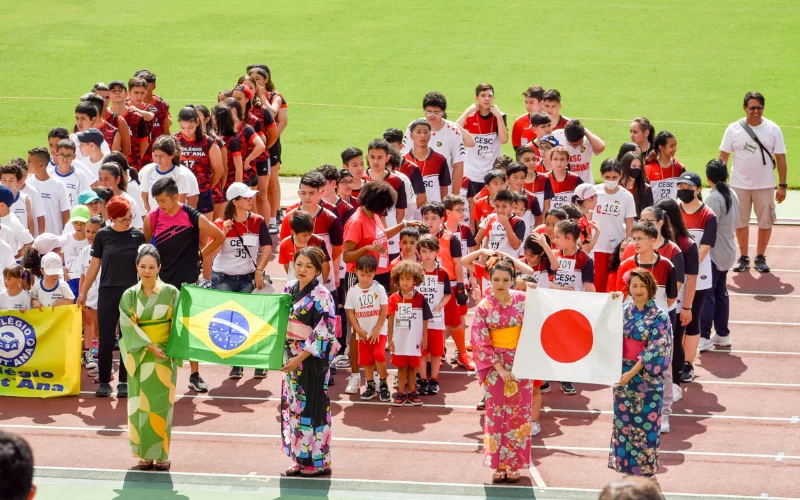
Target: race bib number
x=436, y=322
x=402, y=318
x=566, y=275
x=496, y=238
x=612, y=209
x=560, y=198
x=383, y=261
x=667, y=188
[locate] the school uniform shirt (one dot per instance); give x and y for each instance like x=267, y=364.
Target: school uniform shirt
x=468, y=193
x=233, y=149
x=328, y=227
x=580, y=157
x=194, y=155
x=496, y=236
x=412, y=213
x=109, y=132
x=522, y=131
x=81, y=166
x=104, y=147
x=162, y=113
x=466, y=239
x=482, y=209
x=611, y=214
x=6, y=259
x=573, y=270
x=447, y=141
x=366, y=305
x=560, y=192
x=139, y=130
x=411, y=170
x=435, y=173
x=409, y=315
x=136, y=194
x=48, y=296
x=537, y=186
x=53, y=195
x=75, y=181
x=287, y=249
x=72, y=251
x=542, y=272
x=84, y=261
x=750, y=170
x=534, y=210
x=150, y=174
x=449, y=252
x=13, y=232
x=19, y=302
x=671, y=252
x=36, y=205
x=434, y=287
x=391, y=214
x=664, y=181
x=487, y=148
x=239, y=252
x=364, y=231
x=703, y=227
x=663, y=272
x=247, y=136
x=691, y=263
x=20, y=209
x=400, y=259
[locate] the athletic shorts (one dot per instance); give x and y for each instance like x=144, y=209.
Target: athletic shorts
x=275, y=153
x=760, y=201
x=403, y=361
x=252, y=181
x=475, y=187
x=205, y=202
x=454, y=313
x=369, y=354
x=693, y=328
x=263, y=167
x=73, y=285
x=435, y=343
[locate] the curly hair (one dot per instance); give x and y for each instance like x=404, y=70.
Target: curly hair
x=413, y=269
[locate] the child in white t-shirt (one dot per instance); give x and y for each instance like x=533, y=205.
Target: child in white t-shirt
x=51, y=290
x=74, y=244
x=367, y=306
x=90, y=326
x=14, y=297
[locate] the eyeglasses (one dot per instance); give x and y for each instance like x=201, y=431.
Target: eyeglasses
x=755, y=108
x=65, y=157
x=124, y=220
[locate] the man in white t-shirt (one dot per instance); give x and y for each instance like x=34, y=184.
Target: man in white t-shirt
x=52, y=192
x=582, y=145
x=753, y=176
x=447, y=138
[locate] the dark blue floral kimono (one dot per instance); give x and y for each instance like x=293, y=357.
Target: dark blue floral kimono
x=637, y=406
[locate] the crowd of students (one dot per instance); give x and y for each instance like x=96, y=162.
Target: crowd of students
x=409, y=228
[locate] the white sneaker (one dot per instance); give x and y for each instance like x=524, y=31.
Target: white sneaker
x=705, y=345
x=535, y=428
x=353, y=384
x=341, y=361
x=721, y=341
x=677, y=393
x=665, y=424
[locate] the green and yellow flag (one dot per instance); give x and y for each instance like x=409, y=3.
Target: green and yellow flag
x=228, y=328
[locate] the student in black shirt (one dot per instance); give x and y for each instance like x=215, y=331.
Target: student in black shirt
x=114, y=257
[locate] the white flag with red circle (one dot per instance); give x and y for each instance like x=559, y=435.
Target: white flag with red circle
x=570, y=337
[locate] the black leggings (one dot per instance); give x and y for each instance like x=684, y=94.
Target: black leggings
x=693, y=328
x=107, y=318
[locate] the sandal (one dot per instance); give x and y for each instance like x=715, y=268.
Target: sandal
x=163, y=465
x=143, y=465
x=512, y=476
x=292, y=471
x=498, y=476
x=315, y=472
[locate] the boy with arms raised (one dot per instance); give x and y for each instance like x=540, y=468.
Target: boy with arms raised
x=582, y=145
x=487, y=125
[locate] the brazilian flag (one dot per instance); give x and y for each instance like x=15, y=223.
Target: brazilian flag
x=227, y=328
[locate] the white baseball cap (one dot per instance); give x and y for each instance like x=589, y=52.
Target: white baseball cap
x=585, y=191
x=239, y=190
x=47, y=242
x=52, y=264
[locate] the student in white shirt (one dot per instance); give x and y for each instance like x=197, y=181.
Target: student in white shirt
x=56, y=135
x=111, y=177
x=10, y=176
x=582, y=145
x=165, y=165
x=52, y=192
x=50, y=290
x=14, y=297
x=73, y=179
x=90, y=325
x=90, y=143
x=33, y=194
x=11, y=230
x=74, y=243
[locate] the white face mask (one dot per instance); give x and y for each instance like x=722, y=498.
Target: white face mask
x=611, y=185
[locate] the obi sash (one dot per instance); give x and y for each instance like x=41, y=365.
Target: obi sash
x=506, y=338
x=297, y=330
x=157, y=331
x=631, y=349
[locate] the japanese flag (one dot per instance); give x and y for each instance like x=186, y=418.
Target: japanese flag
x=570, y=337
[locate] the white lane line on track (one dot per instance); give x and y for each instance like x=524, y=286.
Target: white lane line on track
x=537, y=478
x=764, y=323
x=775, y=296
x=734, y=351
x=457, y=444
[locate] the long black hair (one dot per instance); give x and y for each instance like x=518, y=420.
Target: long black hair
x=639, y=190
x=223, y=117
x=717, y=172
x=673, y=212
x=661, y=215
x=189, y=114
x=660, y=142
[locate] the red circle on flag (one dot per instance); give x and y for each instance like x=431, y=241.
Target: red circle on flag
x=567, y=336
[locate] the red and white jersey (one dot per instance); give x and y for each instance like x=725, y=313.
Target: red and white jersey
x=408, y=316
x=287, y=249
x=560, y=192
x=487, y=149
x=435, y=173
x=534, y=210
x=497, y=237
x=482, y=210
x=522, y=132
x=537, y=186
x=664, y=180
x=573, y=270
x=703, y=227
x=447, y=141
x=580, y=158
x=434, y=287
x=328, y=227
x=663, y=271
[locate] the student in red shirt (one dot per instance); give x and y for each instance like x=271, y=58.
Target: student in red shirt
x=523, y=130
x=226, y=131
x=353, y=161
x=436, y=289
x=137, y=89
x=139, y=132
x=495, y=180
x=662, y=168
x=302, y=235
x=344, y=188
x=560, y=183
x=409, y=237
x=644, y=238
x=252, y=145
x=432, y=165
x=517, y=174
x=551, y=104
x=201, y=154
x=162, y=122
x=124, y=132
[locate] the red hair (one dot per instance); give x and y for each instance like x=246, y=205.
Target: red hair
x=117, y=207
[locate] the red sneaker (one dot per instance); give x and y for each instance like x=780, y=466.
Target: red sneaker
x=399, y=399
x=466, y=361
x=414, y=399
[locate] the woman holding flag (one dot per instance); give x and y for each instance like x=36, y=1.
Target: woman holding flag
x=638, y=397
x=310, y=345
x=495, y=332
x=145, y=320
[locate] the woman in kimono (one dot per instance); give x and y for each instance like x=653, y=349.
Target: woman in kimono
x=495, y=332
x=310, y=345
x=146, y=312
x=647, y=349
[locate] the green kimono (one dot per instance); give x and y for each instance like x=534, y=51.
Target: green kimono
x=151, y=382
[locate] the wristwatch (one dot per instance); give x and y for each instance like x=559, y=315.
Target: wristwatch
x=783, y=185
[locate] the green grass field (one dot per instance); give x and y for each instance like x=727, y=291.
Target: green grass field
x=351, y=69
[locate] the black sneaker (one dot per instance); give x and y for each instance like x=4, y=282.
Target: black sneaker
x=433, y=386
x=122, y=390
x=369, y=393
x=743, y=264
x=385, y=396
x=422, y=387
x=237, y=372
x=103, y=391
x=760, y=264
x=197, y=384
x=331, y=380
x=568, y=389
x=482, y=404
x=545, y=387
x=261, y=373
x=688, y=372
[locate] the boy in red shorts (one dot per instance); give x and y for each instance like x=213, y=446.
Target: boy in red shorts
x=367, y=308
x=436, y=289
x=408, y=330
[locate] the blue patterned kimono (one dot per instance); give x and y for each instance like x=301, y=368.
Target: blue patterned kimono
x=305, y=401
x=637, y=406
